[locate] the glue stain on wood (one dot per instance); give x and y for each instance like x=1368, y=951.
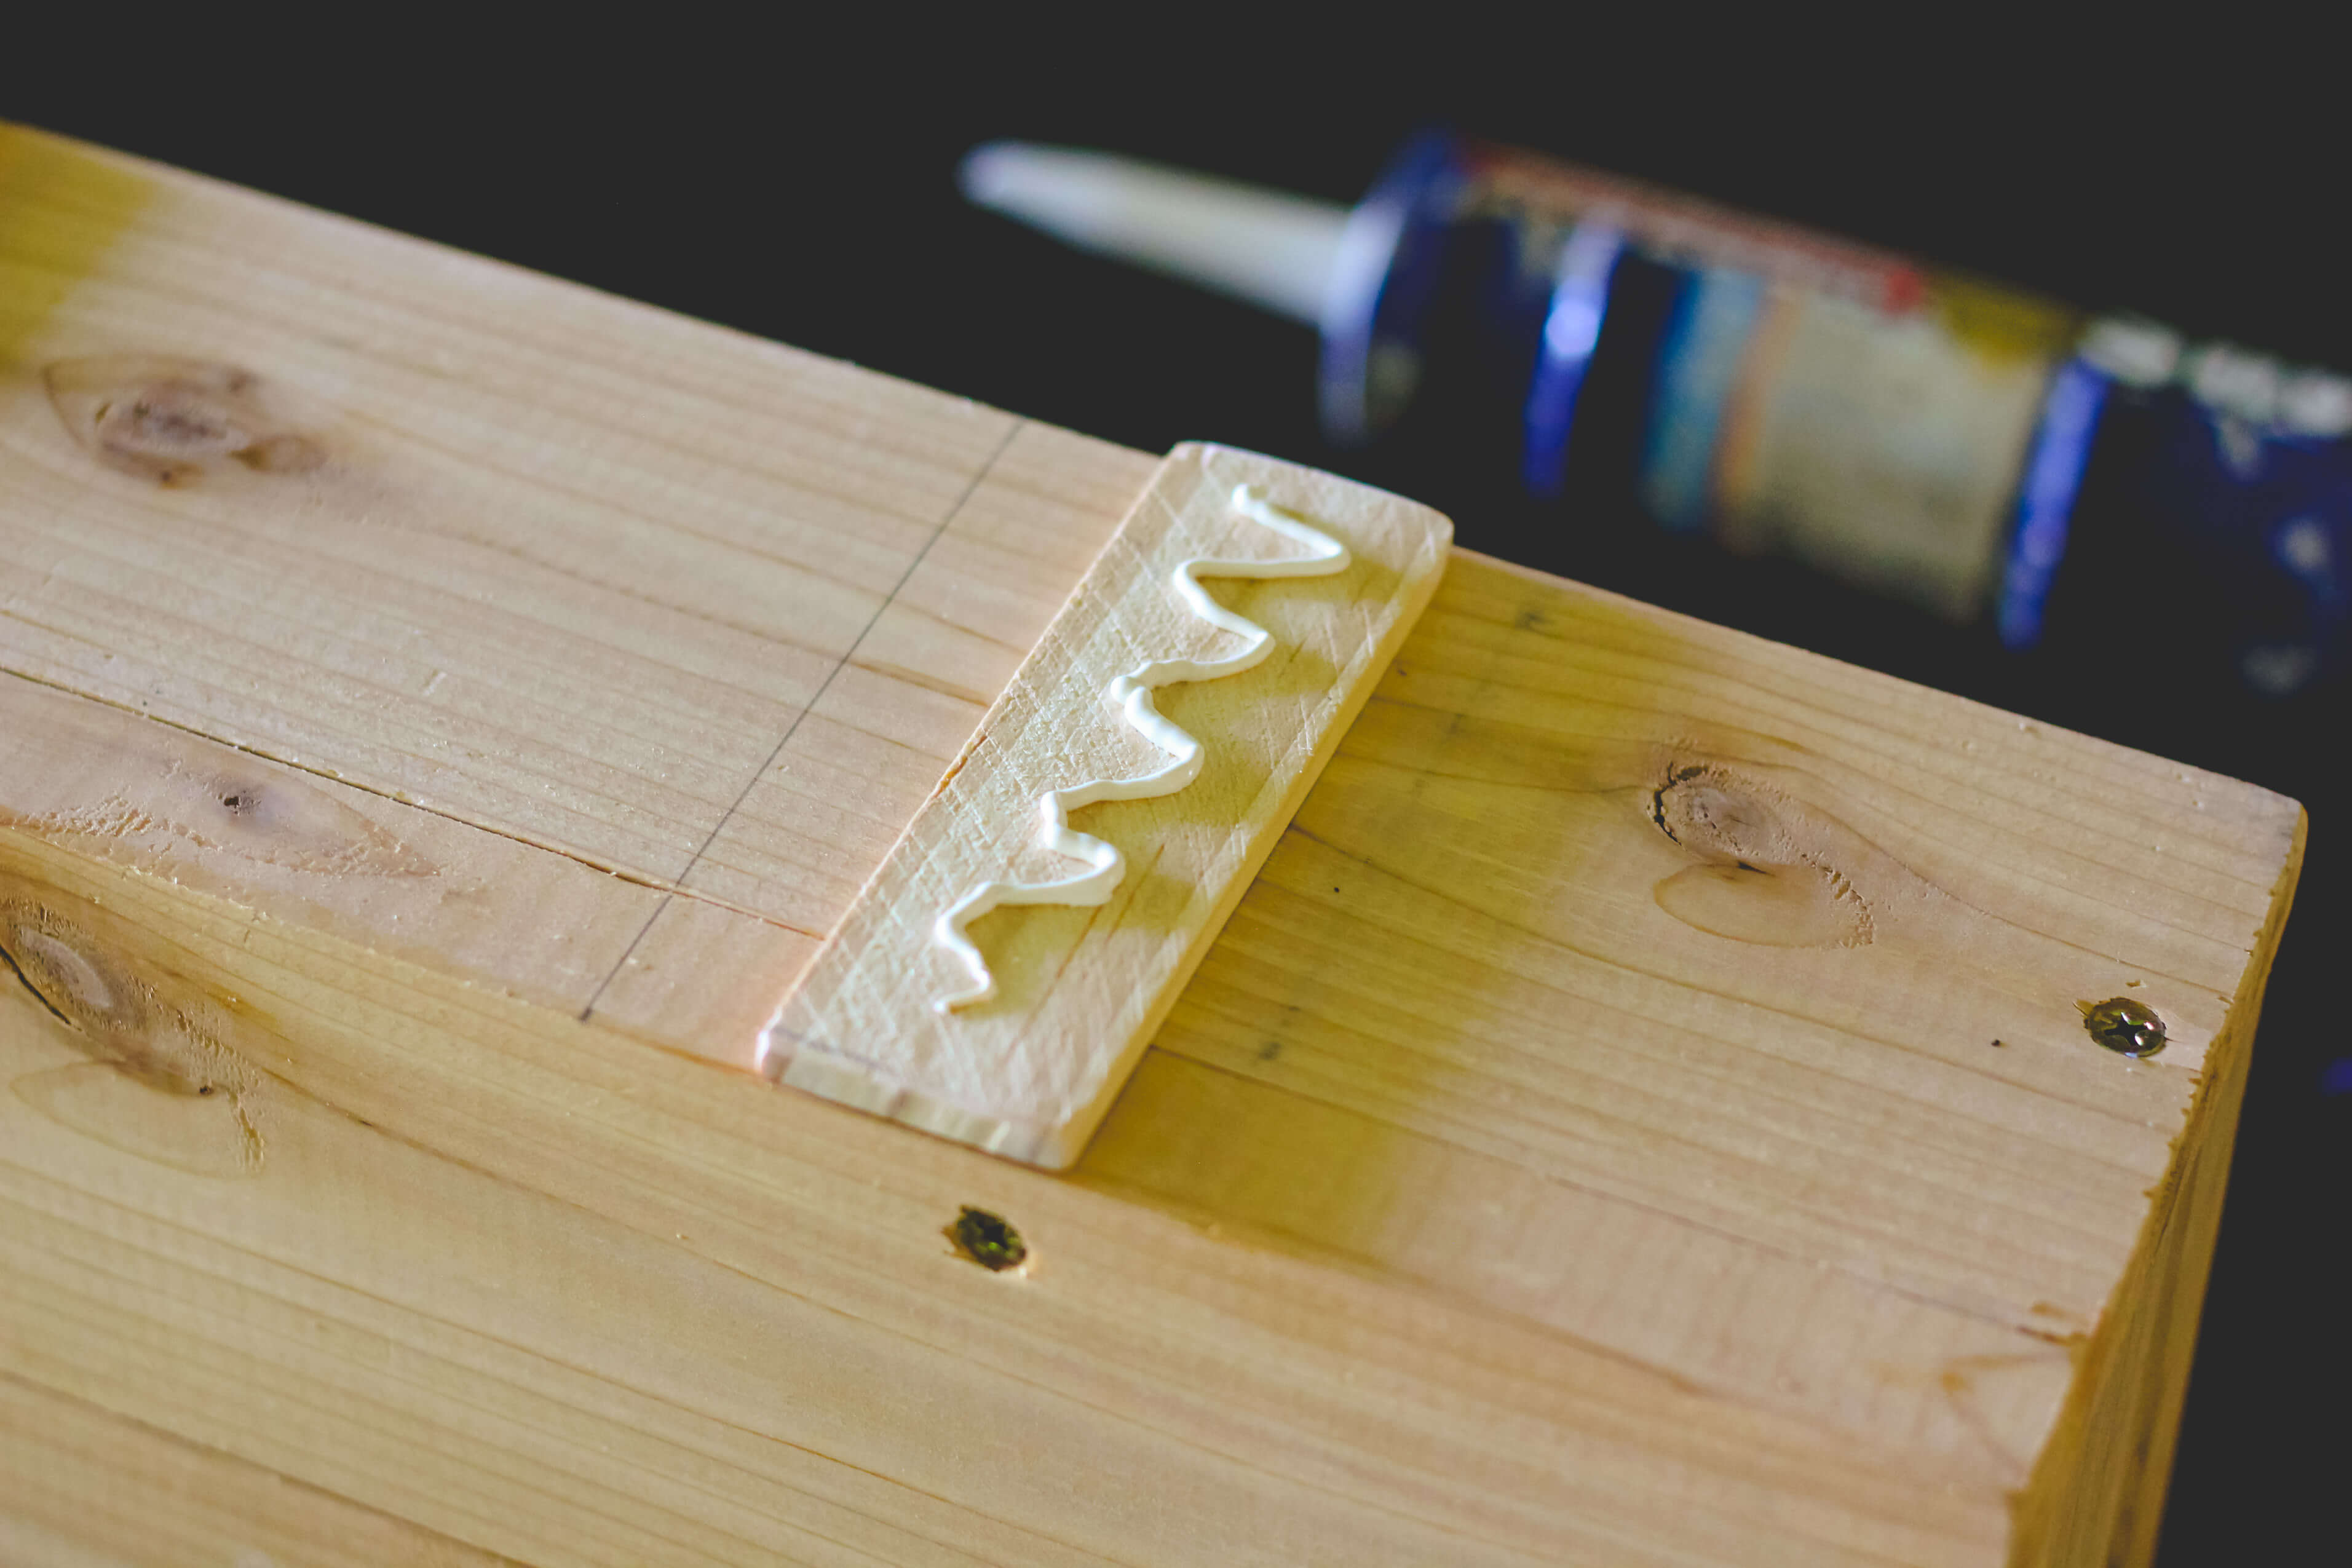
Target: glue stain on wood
x=158, y=1083
x=177, y=421
x=1766, y=871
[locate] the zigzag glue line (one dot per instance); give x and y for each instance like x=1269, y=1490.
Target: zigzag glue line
x=1131, y=694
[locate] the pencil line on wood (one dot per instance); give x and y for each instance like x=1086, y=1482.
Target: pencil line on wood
x=816, y=697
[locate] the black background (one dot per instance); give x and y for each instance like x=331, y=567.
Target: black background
x=801, y=188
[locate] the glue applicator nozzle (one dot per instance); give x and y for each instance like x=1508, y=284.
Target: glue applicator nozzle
x=1270, y=248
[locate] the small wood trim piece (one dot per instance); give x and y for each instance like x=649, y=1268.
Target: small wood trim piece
x=881, y=1021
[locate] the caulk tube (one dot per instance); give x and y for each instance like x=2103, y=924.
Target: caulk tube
x=1969, y=447
x=2213, y=524
x=2091, y=484
x=1384, y=278
x=1364, y=277
x=1795, y=393
x=1268, y=248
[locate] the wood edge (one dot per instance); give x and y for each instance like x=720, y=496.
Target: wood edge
x=2132, y=1372
x=849, y=1082
x=158, y=177
x=1440, y=525
x=1678, y=618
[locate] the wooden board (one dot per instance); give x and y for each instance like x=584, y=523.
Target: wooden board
x=1586, y=1140
x=1028, y=1068
x=90, y=1489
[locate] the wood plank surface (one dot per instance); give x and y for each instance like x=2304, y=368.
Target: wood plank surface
x=1587, y=1142
x=1020, y=1049
x=90, y=1489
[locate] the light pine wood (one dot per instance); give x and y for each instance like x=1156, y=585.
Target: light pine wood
x=93, y=1490
x=1585, y=1141
x=1029, y=1071
x=575, y=592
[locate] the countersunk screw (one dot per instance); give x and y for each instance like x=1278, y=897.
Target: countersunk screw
x=2124, y=1027
x=989, y=1240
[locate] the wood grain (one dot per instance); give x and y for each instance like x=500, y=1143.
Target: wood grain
x=551, y=569
x=1586, y=1141
x=94, y=1490
x=1030, y=1071
x=850, y=774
